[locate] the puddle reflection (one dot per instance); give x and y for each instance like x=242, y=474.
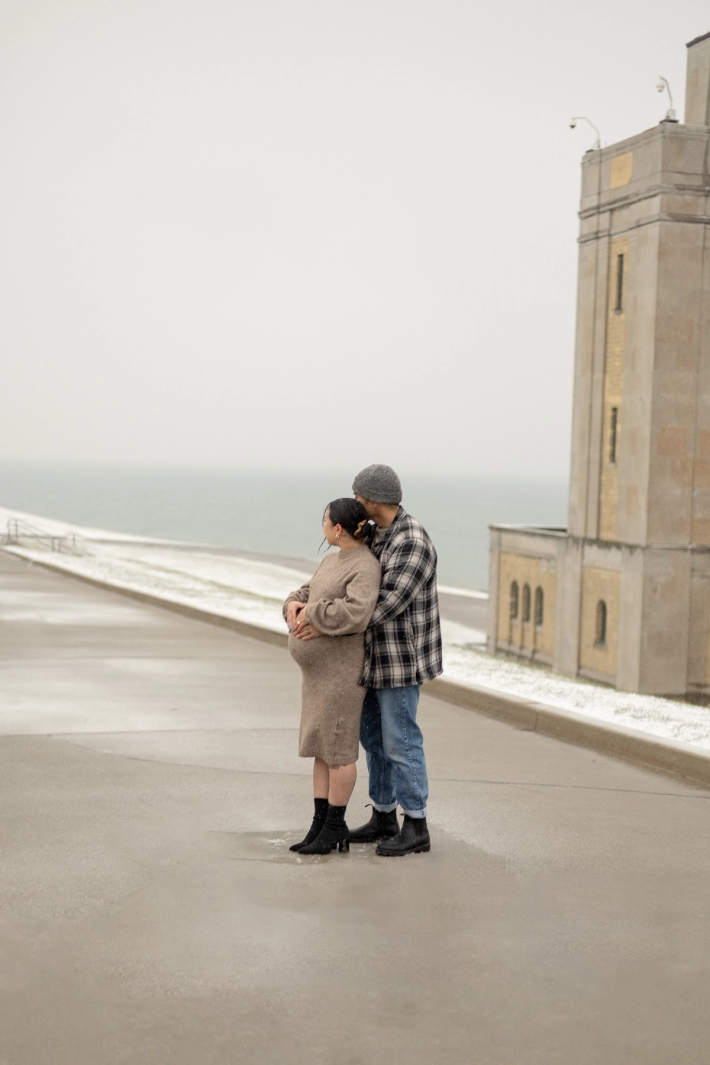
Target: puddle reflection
x=274, y=847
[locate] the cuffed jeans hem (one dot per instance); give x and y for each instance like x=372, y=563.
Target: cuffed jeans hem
x=414, y=813
x=385, y=809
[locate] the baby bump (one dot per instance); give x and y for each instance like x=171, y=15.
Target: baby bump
x=309, y=653
x=328, y=652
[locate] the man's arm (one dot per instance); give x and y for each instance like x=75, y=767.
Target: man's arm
x=408, y=570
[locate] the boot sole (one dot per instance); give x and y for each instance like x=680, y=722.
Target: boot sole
x=371, y=839
x=424, y=849
x=339, y=848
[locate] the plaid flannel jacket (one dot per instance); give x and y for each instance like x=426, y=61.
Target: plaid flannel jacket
x=403, y=640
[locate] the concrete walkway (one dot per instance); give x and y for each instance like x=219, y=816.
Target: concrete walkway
x=151, y=913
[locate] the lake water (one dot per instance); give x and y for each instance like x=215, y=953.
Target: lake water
x=277, y=513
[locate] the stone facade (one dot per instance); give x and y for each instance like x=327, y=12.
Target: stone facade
x=626, y=588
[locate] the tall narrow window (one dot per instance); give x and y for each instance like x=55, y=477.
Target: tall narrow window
x=619, y=284
x=514, y=599
x=600, y=627
x=526, y=602
x=613, y=429
x=539, y=606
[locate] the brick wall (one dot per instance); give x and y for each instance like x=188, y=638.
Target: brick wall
x=514, y=633
x=613, y=385
x=599, y=584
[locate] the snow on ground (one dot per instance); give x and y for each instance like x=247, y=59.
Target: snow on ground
x=245, y=589
x=253, y=590
x=668, y=718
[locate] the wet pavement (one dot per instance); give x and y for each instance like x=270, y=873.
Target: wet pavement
x=152, y=914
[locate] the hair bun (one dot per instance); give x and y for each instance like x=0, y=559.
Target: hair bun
x=351, y=514
x=368, y=532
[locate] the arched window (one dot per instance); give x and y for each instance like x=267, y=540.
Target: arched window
x=526, y=602
x=539, y=606
x=514, y=599
x=600, y=627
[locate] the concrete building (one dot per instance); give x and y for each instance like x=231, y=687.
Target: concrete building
x=623, y=595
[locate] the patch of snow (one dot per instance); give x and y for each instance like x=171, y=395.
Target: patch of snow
x=667, y=718
x=463, y=593
x=195, y=584
x=456, y=635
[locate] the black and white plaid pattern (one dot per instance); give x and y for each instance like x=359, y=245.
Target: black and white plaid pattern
x=403, y=640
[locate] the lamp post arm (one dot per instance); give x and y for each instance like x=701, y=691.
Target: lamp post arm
x=583, y=118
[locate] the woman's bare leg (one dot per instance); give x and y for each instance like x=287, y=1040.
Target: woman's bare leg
x=321, y=779
x=342, y=782
x=337, y=781
x=320, y=796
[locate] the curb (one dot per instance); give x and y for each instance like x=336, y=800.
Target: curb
x=651, y=752
x=244, y=628
x=615, y=741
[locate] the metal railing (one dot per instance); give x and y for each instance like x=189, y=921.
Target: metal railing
x=22, y=532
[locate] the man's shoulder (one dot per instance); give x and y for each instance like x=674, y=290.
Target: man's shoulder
x=408, y=528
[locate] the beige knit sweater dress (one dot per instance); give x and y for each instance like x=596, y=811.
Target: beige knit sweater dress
x=341, y=597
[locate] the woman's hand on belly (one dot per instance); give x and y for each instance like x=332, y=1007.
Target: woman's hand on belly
x=295, y=609
x=303, y=630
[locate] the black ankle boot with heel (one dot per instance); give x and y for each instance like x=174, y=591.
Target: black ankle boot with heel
x=380, y=826
x=321, y=811
x=333, y=834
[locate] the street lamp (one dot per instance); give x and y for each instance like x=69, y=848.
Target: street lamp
x=583, y=118
x=670, y=113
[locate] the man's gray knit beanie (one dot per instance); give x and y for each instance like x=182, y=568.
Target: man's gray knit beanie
x=379, y=484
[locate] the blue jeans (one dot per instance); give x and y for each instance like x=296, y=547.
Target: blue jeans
x=395, y=753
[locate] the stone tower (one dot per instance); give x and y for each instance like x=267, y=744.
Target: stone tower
x=623, y=594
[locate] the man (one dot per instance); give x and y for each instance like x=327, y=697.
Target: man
x=402, y=651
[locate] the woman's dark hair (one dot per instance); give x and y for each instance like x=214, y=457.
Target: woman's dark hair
x=351, y=514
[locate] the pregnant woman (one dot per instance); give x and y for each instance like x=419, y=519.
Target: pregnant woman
x=327, y=618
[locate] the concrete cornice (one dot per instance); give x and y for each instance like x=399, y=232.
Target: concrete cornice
x=663, y=129
x=537, y=530
x=613, y=203
x=639, y=223
x=562, y=534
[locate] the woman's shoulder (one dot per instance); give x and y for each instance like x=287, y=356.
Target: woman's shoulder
x=367, y=561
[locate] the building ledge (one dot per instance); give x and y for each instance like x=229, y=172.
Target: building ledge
x=538, y=530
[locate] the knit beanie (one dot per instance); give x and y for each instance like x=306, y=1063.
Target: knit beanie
x=379, y=484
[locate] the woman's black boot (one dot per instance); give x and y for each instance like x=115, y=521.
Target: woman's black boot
x=333, y=834
x=319, y=817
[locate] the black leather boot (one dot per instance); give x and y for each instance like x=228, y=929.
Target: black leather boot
x=321, y=810
x=380, y=826
x=334, y=833
x=413, y=838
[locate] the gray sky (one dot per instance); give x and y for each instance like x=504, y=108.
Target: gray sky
x=290, y=233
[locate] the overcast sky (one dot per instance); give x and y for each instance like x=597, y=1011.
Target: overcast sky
x=289, y=233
